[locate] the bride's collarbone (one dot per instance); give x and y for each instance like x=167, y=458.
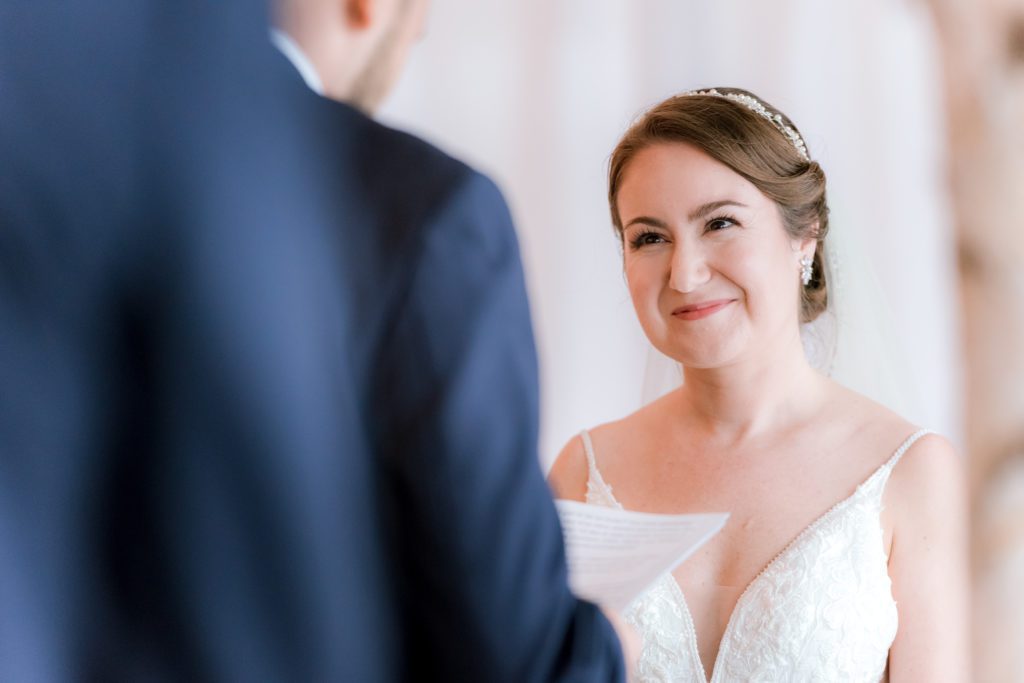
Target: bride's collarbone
x=653, y=472
x=658, y=470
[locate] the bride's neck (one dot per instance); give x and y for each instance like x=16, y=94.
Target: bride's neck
x=758, y=394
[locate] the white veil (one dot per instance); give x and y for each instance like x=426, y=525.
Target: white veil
x=854, y=341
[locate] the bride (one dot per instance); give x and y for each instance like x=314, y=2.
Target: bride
x=844, y=558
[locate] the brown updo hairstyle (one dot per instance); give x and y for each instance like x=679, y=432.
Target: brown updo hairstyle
x=751, y=146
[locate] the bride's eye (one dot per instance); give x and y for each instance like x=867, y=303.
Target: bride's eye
x=645, y=238
x=720, y=223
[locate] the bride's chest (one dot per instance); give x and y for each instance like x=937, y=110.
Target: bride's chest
x=768, y=506
x=821, y=604
x=765, y=514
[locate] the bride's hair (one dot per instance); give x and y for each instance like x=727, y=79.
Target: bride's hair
x=752, y=146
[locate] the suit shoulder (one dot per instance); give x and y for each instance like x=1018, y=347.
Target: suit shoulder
x=400, y=151
x=406, y=152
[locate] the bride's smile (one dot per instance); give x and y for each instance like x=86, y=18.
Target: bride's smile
x=701, y=310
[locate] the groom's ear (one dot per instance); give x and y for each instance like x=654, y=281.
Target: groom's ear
x=359, y=14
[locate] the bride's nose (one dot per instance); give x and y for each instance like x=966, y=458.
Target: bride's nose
x=689, y=268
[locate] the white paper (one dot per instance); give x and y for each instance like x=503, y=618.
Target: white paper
x=615, y=555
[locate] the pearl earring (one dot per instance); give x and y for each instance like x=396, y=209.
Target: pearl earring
x=806, y=270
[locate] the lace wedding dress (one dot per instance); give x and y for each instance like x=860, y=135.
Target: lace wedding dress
x=822, y=610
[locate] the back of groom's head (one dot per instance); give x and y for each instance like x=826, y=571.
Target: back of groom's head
x=357, y=47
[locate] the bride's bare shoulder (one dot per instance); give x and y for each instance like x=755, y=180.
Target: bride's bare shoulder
x=570, y=471
x=568, y=475
x=871, y=427
x=879, y=432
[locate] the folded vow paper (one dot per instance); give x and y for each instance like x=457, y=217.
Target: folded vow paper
x=615, y=555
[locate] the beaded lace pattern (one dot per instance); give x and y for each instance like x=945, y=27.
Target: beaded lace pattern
x=821, y=610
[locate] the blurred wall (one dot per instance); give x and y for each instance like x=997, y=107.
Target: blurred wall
x=537, y=93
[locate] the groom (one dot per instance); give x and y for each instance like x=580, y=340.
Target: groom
x=445, y=366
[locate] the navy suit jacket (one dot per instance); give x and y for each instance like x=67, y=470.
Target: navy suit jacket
x=186, y=486
x=267, y=395
x=446, y=373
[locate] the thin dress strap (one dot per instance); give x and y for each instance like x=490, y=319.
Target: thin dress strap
x=597, y=490
x=905, y=446
x=875, y=484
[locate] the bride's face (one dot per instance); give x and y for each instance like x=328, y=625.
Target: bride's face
x=713, y=275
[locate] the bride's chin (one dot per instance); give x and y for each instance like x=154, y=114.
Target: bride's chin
x=702, y=356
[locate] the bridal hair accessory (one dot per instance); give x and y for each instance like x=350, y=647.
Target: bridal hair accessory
x=755, y=105
x=806, y=269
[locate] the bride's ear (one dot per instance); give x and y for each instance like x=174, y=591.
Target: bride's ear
x=806, y=246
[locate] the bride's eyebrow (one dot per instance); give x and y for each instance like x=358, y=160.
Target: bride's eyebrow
x=647, y=220
x=704, y=209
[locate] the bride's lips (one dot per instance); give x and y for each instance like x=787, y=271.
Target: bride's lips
x=701, y=310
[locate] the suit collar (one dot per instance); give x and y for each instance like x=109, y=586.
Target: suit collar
x=290, y=49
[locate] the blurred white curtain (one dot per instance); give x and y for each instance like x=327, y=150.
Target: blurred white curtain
x=537, y=93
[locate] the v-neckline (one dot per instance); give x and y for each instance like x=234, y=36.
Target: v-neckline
x=739, y=605
x=677, y=590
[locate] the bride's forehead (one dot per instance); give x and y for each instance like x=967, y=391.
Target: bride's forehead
x=667, y=156
x=682, y=166
x=686, y=192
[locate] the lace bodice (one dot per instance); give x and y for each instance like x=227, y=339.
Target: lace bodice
x=822, y=610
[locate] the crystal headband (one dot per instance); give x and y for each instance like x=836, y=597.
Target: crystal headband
x=755, y=105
